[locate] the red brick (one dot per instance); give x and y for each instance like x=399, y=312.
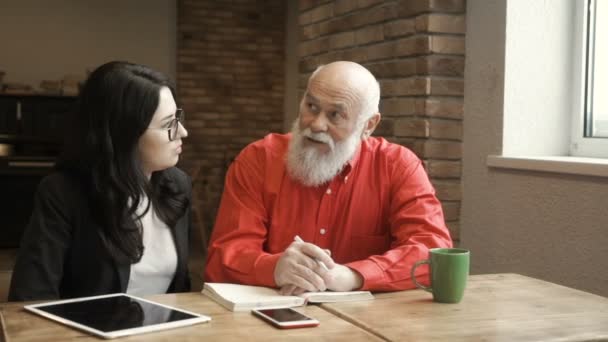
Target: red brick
x=441, y=23
x=412, y=46
x=344, y=6
x=385, y=127
x=321, y=12
x=341, y=40
x=308, y=64
x=448, y=190
x=397, y=106
x=441, y=65
x=306, y=4
x=390, y=69
x=369, y=34
x=453, y=6
x=450, y=108
x=442, y=149
x=340, y=24
x=368, y=3
x=309, y=32
x=411, y=127
x=444, y=168
x=305, y=18
x=446, y=86
x=374, y=15
x=380, y=51
x=447, y=44
x=408, y=8
x=230, y=67
x=446, y=129
x=405, y=87
x=398, y=28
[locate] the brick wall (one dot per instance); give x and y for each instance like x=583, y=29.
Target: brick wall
x=230, y=75
x=416, y=50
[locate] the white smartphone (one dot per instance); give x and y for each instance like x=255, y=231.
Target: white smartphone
x=285, y=318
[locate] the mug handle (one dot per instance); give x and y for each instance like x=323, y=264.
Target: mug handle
x=413, y=275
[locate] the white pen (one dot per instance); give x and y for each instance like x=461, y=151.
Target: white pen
x=299, y=239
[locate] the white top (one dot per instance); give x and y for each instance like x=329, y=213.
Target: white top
x=155, y=271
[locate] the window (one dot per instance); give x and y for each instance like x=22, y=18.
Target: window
x=590, y=129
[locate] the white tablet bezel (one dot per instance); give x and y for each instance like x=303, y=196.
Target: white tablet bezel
x=117, y=333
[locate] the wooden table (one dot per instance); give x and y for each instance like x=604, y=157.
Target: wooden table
x=224, y=325
x=498, y=307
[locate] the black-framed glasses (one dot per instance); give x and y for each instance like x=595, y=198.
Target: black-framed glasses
x=180, y=117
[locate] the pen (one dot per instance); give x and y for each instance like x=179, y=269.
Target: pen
x=299, y=239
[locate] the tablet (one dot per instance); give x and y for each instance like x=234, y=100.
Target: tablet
x=116, y=315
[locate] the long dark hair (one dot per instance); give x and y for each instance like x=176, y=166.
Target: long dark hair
x=114, y=109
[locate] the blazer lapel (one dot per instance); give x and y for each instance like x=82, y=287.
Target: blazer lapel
x=180, y=239
x=123, y=271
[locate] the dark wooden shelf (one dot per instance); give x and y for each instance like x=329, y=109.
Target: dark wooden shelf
x=32, y=128
x=39, y=95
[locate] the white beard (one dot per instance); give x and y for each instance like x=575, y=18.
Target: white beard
x=313, y=168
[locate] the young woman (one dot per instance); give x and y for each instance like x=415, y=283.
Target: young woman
x=115, y=217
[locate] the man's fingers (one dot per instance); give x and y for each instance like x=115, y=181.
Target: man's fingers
x=318, y=254
x=303, y=253
x=298, y=291
x=308, y=279
x=303, y=283
x=288, y=290
x=291, y=290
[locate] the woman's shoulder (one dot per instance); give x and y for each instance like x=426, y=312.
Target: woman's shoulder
x=61, y=187
x=60, y=181
x=180, y=177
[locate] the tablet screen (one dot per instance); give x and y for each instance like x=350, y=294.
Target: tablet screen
x=119, y=312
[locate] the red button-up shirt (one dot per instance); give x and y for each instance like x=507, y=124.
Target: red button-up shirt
x=378, y=216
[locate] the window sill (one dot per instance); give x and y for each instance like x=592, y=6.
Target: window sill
x=564, y=164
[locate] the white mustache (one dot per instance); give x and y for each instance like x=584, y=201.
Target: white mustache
x=322, y=137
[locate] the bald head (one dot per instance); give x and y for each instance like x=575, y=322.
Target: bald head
x=352, y=79
x=338, y=111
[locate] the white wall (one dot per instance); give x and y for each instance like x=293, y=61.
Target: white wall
x=42, y=39
x=537, y=106
x=549, y=226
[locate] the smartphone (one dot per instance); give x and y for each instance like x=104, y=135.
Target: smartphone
x=285, y=318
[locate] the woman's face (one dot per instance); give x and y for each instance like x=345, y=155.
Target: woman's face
x=156, y=151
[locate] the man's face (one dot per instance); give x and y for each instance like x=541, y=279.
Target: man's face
x=331, y=114
x=325, y=136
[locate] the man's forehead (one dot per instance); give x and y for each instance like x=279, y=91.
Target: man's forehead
x=327, y=100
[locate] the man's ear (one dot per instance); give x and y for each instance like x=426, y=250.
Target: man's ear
x=370, y=126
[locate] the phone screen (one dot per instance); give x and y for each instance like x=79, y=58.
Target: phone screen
x=284, y=315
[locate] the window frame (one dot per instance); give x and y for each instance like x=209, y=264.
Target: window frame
x=581, y=143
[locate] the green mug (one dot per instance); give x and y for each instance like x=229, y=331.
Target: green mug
x=449, y=270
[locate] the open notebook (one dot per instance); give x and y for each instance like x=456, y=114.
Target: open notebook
x=244, y=297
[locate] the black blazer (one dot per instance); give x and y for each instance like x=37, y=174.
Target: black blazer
x=61, y=254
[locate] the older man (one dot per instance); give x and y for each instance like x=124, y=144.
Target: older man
x=364, y=207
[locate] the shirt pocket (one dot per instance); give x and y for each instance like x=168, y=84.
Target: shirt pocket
x=364, y=246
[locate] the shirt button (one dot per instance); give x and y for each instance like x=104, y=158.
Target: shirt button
x=322, y=231
x=328, y=191
x=345, y=179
